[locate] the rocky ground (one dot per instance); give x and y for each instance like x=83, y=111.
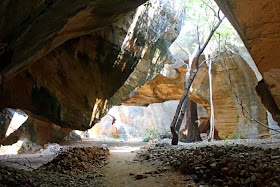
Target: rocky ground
x=73, y=167
x=157, y=164
x=124, y=170
x=223, y=163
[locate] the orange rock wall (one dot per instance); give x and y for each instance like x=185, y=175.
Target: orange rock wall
x=258, y=24
x=228, y=114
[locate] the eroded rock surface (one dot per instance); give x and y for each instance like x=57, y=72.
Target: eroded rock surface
x=229, y=117
x=128, y=122
x=258, y=24
x=63, y=61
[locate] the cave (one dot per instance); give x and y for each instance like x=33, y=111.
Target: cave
x=139, y=93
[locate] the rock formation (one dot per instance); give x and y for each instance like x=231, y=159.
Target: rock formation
x=229, y=117
x=37, y=132
x=63, y=61
x=128, y=122
x=258, y=24
x=10, y=121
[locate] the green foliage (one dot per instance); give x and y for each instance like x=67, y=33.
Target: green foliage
x=152, y=135
x=148, y=4
x=146, y=139
x=234, y=135
x=202, y=15
x=166, y=135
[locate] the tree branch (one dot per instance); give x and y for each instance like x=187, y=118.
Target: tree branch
x=208, y=40
x=186, y=51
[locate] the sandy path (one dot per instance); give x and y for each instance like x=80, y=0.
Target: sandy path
x=122, y=171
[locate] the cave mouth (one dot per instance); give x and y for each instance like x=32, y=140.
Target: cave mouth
x=11, y=121
x=130, y=146
x=142, y=123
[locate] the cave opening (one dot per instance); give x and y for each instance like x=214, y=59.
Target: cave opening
x=139, y=93
x=11, y=121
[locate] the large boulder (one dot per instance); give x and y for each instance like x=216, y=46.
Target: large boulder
x=258, y=24
x=233, y=84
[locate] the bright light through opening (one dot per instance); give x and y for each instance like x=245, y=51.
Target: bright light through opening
x=16, y=122
x=124, y=149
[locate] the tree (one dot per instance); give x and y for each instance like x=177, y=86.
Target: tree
x=191, y=131
x=200, y=22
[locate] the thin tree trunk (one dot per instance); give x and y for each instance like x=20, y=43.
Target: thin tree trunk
x=212, y=127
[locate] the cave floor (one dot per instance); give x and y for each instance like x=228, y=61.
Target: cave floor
x=124, y=168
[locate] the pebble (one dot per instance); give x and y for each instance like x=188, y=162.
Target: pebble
x=73, y=167
x=223, y=165
x=140, y=176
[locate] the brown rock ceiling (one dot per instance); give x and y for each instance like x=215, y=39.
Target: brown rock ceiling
x=63, y=61
x=57, y=57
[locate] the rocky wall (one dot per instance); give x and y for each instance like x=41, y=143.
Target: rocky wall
x=63, y=61
x=229, y=117
x=258, y=24
x=128, y=122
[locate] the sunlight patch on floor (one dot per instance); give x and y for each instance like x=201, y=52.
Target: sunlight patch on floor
x=124, y=149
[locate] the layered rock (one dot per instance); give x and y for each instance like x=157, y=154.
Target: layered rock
x=153, y=60
x=63, y=61
x=158, y=90
x=229, y=116
x=5, y=120
x=128, y=122
x=30, y=30
x=258, y=24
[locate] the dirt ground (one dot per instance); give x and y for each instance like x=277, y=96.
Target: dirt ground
x=123, y=171
x=123, y=168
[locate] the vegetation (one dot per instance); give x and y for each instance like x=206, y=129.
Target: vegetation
x=234, y=135
x=201, y=17
x=205, y=19
x=153, y=134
